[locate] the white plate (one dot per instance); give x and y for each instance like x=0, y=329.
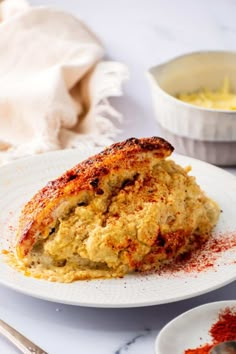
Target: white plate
x=21, y=179
x=190, y=330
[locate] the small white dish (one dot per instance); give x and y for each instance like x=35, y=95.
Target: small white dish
x=207, y=134
x=190, y=330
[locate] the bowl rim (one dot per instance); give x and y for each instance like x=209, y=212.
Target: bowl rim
x=175, y=99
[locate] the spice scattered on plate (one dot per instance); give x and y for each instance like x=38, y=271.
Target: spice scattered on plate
x=206, y=257
x=221, y=331
x=223, y=98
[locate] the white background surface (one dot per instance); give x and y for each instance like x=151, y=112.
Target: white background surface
x=140, y=33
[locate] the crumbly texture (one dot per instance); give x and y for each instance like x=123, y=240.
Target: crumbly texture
x=126, y=209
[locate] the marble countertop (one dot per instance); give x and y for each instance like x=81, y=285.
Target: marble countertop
x=140, y=33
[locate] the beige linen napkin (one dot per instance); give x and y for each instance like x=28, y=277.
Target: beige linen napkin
x=53, y=84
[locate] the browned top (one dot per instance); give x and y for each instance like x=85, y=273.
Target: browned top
x=37, y=213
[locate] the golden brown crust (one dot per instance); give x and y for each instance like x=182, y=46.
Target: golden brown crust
x=37, y=215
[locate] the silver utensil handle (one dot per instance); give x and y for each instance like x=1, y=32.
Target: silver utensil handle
x=20, y=341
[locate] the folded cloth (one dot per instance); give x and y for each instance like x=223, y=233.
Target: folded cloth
x=53, y=84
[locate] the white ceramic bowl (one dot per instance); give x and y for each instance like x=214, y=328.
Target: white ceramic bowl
x=190, y=330
x=207, y=134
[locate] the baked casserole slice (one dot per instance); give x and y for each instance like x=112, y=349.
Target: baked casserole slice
x=126, y=209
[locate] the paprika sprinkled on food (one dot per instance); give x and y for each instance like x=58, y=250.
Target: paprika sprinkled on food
x=221, y=331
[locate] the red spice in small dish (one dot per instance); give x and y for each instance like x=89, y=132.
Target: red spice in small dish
x=225, y=328
x=221, y=331
x=201, y=350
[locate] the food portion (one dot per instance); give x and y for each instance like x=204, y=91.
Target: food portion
x=126, y=209
x=223, y=98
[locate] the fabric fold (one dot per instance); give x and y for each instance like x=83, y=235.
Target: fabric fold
x=54, y=86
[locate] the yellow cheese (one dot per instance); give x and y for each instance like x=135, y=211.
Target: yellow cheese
x=223, y=98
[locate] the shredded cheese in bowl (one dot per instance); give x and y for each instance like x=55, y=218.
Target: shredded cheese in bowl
x=223, y=98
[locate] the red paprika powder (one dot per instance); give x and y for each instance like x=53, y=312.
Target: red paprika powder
x=221, y=331
x=225, y=328
x=201, y=350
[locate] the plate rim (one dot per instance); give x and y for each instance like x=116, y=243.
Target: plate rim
x=111, y=305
